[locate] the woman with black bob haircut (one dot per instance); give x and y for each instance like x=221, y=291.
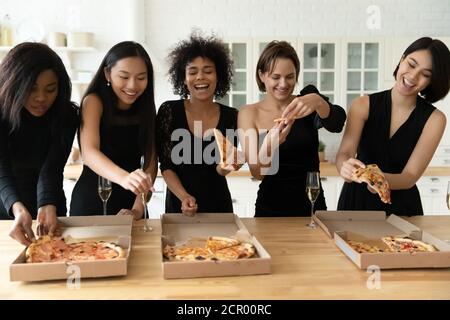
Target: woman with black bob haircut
x=200, y=71
x=37, y=127
x=398, y=130
x=117, y=128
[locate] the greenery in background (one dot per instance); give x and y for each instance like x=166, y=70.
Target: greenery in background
x=321, y=146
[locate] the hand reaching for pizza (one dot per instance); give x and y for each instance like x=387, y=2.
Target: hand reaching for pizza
x=231, y=159
x=21, y=229
x=349, y=168
x=376, y=181
x=189, y=206
x=47, y=221
x=301, y=107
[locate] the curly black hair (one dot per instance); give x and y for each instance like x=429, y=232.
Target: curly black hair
x=209, y=47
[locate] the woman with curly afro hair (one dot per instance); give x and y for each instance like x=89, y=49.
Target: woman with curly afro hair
x=200, y=72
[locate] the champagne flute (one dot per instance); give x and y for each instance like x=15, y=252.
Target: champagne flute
x=145, y=196
x=104, y=191
x=448, y=195
x=312, y=190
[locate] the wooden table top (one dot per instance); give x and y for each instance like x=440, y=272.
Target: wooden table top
x=305, y=265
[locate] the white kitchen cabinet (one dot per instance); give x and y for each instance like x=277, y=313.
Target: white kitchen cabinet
x=243, y=194
x=433, y=191
x=332, y=189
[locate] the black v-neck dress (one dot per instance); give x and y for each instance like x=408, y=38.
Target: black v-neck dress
x=197, y=174
x=390, y=154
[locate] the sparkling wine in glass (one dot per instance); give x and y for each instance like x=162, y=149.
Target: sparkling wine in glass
x=448, y=195
x=104, y=191
x=312, y=191
x=145, y=196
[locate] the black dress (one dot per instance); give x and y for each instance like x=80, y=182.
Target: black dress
x=284, y=193
x=197, y=175
x=390, y=154
x=32, y=160
x=120, y=144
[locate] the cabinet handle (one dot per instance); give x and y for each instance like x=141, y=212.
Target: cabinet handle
x=323, y=179
x=434, y=179
x=233, y=200
x=433, y=190
x=447, y=161
x=253, y=179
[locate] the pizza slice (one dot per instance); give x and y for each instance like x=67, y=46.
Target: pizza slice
x=218, y=243
x=241, y=251
x=185, y=253
x=230, y=157
x=374, y=177
x=405, y=244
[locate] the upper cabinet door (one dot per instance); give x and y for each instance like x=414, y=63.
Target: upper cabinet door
x=239, y=94
x=362, y=74
x=319, y=61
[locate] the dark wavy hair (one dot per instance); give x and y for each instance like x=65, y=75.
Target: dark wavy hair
x=209, y=47
x=440, y=73
x=273, y=51
x=145, y=103
x=18, y=73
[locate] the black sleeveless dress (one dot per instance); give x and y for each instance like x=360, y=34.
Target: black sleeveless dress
x=283, y=193
x=120, y=144
x=390, y=154
x=197, y=175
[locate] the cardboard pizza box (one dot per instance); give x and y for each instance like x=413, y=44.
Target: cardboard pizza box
x=179, y=229
x=370, y=227
x=115, y=229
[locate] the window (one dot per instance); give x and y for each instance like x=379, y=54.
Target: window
x=319, y=67
x=239, y=92
x=362, y=69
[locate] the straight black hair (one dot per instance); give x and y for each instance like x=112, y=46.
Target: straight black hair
x=440, y=73
x=145, y=103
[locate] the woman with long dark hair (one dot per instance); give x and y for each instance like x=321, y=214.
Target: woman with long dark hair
x=117, y=128
x=37, y=127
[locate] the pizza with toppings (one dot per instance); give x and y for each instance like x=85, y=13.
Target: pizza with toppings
x=230, y=157
x=241, y=251
x=362, y=247
x=55, y=249
x=391, y=244
x=217, y=243
x=374, y=177
x=215, y=249
x=405, y=244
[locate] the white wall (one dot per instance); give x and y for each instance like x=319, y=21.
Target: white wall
x=161, y=23
x=169, y=21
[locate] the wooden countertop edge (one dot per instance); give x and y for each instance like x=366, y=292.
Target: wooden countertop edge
x=72, y=172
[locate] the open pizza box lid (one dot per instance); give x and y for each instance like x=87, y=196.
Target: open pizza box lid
x=115, y=229
x=369, y=227
x=178, y=229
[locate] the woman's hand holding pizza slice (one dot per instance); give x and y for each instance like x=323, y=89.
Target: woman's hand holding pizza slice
x=231, y=158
